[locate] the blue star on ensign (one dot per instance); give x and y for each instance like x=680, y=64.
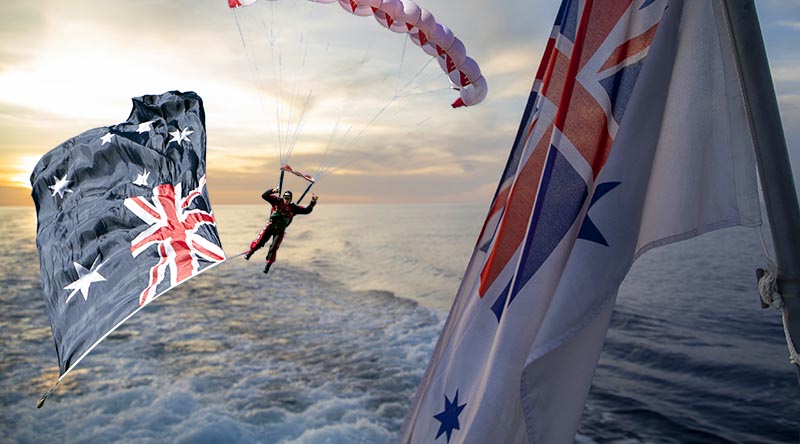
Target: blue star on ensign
x=589, y=230
x=449, y=417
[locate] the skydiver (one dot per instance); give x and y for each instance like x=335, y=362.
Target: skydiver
x=283, y=210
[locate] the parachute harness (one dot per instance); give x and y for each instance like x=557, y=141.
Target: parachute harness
x=770, y=296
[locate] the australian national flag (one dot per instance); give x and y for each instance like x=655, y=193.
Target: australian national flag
x=123, y=216
x=635, y=135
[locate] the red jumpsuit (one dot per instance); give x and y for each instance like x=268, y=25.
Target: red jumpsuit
x=280, y=218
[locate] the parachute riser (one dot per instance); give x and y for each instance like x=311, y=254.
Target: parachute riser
x=280, y=182
x=310, y=184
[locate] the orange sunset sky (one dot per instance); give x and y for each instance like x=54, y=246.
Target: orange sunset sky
x=66, y=67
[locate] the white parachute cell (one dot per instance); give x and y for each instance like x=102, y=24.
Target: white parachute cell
x=362, y=8
x=424, y=27
x=467, y=73
x=408, y=18
x=437, y=40
x=451, y=59
x=472, y=94
x=238, y=3
x=389, y=12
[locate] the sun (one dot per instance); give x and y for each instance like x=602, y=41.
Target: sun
x=20, y=173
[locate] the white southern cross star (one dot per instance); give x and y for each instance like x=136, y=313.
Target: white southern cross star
x=180, y=135
x=60, y=187
x=107, y=138
x=85, y=279
x=145, y=127
x=141, y=179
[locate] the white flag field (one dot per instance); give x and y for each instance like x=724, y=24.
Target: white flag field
x=636, y=135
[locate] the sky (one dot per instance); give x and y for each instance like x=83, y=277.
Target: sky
x=346, y=85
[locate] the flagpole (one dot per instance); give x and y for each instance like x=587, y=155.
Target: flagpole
x=774, y=168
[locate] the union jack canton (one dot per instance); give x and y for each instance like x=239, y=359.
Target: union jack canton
x=114, y=227
x=587, y=75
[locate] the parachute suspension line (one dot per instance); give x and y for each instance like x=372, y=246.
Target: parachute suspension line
x=268, y=31
x=274, y=31
x=293, y=129
x=279, y=75
x=287, y=128
x=326, y=166
x=418, y=73
x=374, y=118
x=346, y=162
x=273, y=35
x=372, y=39
x=326, y=153
x=342, y=141
x=416, y=90
x=305, y=54
x=410, y=94
x=299, y=124
x=326, y=169
x=280, y=182
x=256, y=76
x=292, y=99
x=417, y=127
x=400, y=68
x=272, y=38
x=310, y=184
x=357, y=138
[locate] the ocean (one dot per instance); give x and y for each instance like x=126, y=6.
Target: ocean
x=330, y=346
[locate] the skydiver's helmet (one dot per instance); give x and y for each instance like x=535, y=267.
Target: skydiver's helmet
x=287, y=195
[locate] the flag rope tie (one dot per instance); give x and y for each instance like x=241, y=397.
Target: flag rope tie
x=49, y=392
x=768, y=291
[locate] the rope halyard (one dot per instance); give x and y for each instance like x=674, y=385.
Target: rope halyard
x=770, y=296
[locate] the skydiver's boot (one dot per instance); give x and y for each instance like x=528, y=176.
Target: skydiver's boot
x=266, y=267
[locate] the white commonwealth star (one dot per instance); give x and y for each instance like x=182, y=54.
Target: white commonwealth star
x=180, y=135
x=60, y=187
x=85, y=279
x=141, y=179
x=107, y=138
x=145, y=127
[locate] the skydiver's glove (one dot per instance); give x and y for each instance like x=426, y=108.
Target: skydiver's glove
x=314, y=198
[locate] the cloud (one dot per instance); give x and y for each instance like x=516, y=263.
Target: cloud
x=786, y=73
x=789, y=100
x=70, y=66
x=790, y=24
